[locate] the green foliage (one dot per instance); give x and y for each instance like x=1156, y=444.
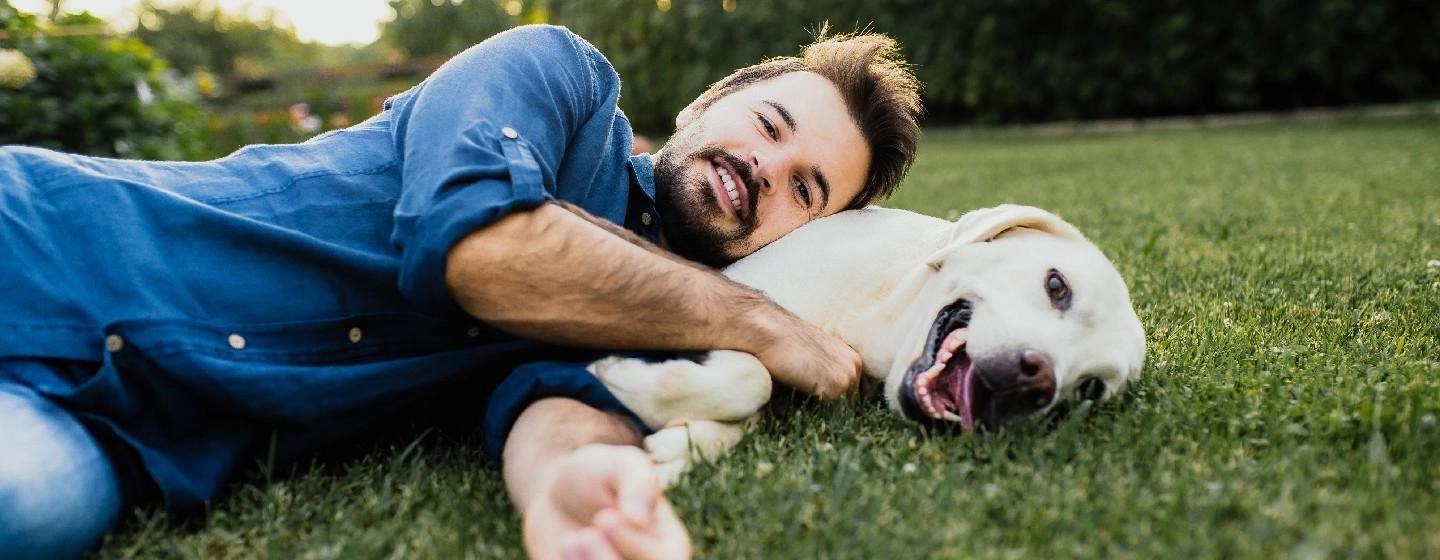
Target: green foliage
x=92, y=94
x=193, y=36
x=1289, y=408
x=996, y=61
x=1007, y=61
x=424, y=28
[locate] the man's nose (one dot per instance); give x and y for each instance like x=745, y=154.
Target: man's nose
x=769, y=168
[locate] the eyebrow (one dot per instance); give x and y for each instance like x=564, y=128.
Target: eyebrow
x=820, y=180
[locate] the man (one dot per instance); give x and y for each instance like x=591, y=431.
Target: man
x=167, y=322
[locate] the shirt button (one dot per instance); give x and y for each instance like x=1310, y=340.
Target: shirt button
x=645, y=218
x=509, y=133
x=236, y=341
x=356, y=335
x=114, y=343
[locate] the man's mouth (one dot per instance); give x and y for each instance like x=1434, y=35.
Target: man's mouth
x=731, y=187
x=942, y=385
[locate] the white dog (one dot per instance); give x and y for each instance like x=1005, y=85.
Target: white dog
x=1002, y=314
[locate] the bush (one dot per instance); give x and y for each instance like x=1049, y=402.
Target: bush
x=997, y=61
x=91, y=94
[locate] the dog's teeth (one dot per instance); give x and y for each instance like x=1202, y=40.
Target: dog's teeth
x=951, y=416
x=953, y=342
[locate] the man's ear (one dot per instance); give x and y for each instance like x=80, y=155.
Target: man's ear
x=693, y=110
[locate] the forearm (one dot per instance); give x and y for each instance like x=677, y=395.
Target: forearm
x=549, y=430
x=551, y=275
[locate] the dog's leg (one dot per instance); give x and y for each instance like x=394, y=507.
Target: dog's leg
x=728, y=387
x=678, y=447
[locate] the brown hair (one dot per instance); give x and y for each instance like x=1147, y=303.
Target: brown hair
x=878, y=87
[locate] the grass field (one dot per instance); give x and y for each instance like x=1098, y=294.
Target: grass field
x=1290, y=405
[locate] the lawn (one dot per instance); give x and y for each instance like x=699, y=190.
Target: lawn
x=1288, y=275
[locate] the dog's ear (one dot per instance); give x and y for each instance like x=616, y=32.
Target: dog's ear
x=985, y=224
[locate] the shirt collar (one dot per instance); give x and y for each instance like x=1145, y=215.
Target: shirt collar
x=642, y=172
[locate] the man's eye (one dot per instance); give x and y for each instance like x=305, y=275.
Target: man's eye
x=769, y=127
x=804, y=190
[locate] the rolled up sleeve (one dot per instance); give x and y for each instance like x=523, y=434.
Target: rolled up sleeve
x=484, y=136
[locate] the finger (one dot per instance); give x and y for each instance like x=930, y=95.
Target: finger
x=587, y=544
x=637, y=491
x=664, y=539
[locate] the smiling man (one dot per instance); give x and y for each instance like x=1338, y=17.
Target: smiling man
x=167, y=323
x=730, y=185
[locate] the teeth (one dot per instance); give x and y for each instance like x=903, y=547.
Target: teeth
x=730, y=187
x=953, y=342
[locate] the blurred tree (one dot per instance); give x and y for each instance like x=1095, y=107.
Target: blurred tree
x=80, y=91
x=199, y=35
x=429, y=28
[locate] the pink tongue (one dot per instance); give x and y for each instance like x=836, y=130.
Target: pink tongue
x=962, y=397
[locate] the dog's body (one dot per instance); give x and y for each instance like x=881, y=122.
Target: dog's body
x=1002, y=314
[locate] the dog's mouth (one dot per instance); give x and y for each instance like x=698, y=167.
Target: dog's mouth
x=942, y=385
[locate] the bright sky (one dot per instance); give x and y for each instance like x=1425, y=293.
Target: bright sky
x=333, y=22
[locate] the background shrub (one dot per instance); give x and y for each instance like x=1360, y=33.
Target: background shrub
x=92, y=94
x=1005, y=61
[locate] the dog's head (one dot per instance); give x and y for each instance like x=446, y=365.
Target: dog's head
x=1018, y=313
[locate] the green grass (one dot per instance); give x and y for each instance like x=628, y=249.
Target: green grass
x=1290, y=405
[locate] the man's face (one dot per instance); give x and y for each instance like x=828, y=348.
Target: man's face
x=756, y=164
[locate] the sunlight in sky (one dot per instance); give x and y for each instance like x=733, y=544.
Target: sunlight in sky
x=332, y=22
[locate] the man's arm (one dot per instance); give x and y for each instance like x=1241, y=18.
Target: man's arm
x=584, y=489
x=550, y=275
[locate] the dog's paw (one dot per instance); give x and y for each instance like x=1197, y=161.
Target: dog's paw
x=676, y=448
x=727, y=386
x=669, y=449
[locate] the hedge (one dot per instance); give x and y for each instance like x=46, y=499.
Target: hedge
x=1007, y=61
x=74, y=89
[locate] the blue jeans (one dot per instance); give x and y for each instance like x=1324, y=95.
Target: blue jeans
x=59, y=493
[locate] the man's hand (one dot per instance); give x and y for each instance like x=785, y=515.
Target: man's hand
x=585, y=488
x=807, y=359
x=603, y=502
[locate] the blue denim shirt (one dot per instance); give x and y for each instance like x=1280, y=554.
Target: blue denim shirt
x=287, y=295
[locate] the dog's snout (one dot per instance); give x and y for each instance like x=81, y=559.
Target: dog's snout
x=1037, y=375
x=1020, y=382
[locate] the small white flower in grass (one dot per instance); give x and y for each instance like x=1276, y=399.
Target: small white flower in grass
x=1227, y=304
x=1433, y=266
x=910, y=468
x=16, y=70
x=764, y=467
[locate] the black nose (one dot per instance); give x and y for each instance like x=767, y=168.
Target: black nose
x=1021, y=381
x=1037, y=376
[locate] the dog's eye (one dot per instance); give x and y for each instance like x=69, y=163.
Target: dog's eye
x=1058, y=290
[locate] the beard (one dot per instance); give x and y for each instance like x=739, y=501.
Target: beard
x=690, y=212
